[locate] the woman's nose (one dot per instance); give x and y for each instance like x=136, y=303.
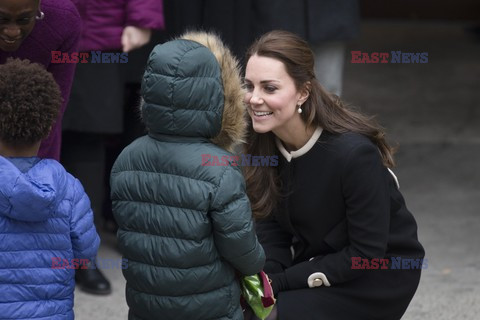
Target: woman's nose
x=256, y=99
x=11, y=31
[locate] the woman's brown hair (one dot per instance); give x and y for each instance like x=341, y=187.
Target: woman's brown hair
x=322, y=109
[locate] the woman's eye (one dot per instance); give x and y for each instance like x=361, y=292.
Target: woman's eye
x=248, y=86
x=24, y=21
x=270, y=89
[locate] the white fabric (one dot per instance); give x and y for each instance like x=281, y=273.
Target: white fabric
x=318, y=275
x=300, y=152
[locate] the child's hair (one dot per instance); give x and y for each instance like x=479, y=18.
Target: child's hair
x=30, y=100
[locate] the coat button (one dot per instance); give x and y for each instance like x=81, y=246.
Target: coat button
x=317, y=282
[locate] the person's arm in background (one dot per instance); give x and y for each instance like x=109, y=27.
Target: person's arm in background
x=142, y=17
x=63, y=74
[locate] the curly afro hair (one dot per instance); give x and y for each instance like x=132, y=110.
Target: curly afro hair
x=30, y=100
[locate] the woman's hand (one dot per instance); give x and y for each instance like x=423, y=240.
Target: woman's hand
x=134, y=38
x=278, y=282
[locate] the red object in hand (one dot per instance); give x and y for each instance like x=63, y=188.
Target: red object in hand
x=268, y=298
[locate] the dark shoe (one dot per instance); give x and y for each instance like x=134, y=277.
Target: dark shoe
x=92, y=280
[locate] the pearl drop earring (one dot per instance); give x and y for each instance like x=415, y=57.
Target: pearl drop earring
x=299, y=110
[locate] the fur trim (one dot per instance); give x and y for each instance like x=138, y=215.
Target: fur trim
x=234, y=122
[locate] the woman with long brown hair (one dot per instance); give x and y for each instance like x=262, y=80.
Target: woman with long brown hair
x=339, y=240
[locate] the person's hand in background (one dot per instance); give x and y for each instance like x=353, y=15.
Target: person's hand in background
x=134, y=38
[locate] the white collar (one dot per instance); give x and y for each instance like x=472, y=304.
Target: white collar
x=300, y=152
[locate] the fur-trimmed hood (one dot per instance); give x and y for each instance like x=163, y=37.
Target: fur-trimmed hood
x=192, y=88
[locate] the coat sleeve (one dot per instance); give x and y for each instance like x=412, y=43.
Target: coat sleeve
x=276, y=242
x=146, y=14
x=85, y=240
x=366, y=186
x=63, y=74
x=234, y=231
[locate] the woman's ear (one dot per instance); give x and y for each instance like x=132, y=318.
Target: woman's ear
x=305, y=92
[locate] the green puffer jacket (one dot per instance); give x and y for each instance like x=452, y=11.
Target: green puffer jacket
x=186, y=228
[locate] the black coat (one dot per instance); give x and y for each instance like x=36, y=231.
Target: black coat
x=231, y=19
x=240, y=22
x=341, y=202
x=314, y=20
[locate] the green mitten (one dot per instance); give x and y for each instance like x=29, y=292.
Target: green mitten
x=258, y=294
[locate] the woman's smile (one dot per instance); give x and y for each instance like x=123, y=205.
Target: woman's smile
x=272, y=96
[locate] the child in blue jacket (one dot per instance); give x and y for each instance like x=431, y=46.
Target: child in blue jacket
x=46, y=223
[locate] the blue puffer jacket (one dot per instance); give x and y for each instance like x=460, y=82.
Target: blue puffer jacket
x=44, y=215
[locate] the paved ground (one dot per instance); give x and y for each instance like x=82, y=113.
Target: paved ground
x=432, y=111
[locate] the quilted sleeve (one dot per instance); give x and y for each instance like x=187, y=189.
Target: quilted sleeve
x=85, y=239
x=234, y=231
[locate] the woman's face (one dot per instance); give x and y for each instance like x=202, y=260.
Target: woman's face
x=17, y=19
x=271, y=97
